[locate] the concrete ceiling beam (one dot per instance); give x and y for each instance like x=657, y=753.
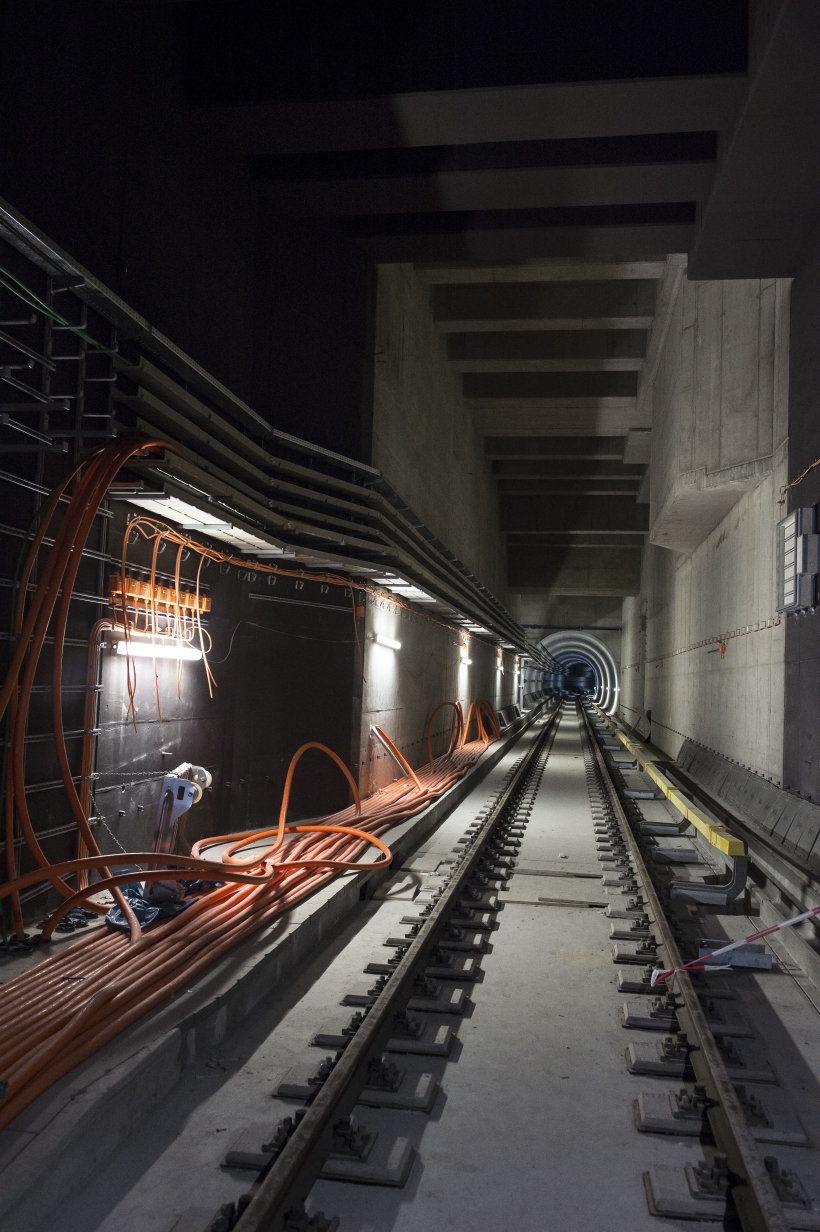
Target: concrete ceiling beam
x=461, y=117
x=613, y=299
x=557, y=590
x=570, y=539
x=555, y=448
x=578, y=468
x=561, y=384
x=516, y=325
x=602, y=514
x=497, y=243
x=522, y=188
x=417, y=164
x=551, y=345
x=558, y=486
x=546, y=365
x=540, y=271
x=540, y=417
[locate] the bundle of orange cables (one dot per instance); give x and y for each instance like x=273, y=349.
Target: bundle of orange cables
x=69, y=1006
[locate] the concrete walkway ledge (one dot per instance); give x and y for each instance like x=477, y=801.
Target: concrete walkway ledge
x=62, y=1139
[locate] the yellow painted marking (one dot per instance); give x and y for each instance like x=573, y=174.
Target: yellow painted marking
x=713, y=831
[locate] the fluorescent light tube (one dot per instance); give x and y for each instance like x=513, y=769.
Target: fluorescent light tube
x=390, y=642
x=157, y=650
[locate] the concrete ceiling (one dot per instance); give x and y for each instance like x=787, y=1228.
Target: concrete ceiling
x=540, y=197
x=557, y=358
x=541, y=216
x=552, y=355
x=588, y=169
x=536, y=164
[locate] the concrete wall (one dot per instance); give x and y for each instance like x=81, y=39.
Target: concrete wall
x=424, y=441
x=802, y=748
x=425, y=445
x=611, y=571
x=719, y=404
x=731, y=702
x=541, y=614
x=718, y=461
x=401, y=688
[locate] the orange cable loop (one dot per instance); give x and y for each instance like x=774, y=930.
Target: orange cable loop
x=455, y=729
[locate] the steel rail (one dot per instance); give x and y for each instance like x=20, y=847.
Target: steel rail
x=290, y=1178
x=750, y=1185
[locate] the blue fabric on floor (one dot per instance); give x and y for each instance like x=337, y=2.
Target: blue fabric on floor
x=145, y=913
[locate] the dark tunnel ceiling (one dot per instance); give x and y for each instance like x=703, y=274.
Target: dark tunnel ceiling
x=685, y=147
x=263, y=53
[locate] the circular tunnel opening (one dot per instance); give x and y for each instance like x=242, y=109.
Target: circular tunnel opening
x=584, y=666
x=577, y=675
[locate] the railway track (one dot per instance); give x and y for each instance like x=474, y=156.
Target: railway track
x=491, y=1052
x=735, y=1169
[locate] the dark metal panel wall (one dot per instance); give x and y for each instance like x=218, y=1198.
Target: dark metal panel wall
x=801, y=744
x=284, y=672
x=285, y=661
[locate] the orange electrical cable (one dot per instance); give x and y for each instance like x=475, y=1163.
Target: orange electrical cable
x=21, y=630
x=455, y=728
x=87, y=499
x=61, y=1012
x=89, y=717
x=65, y=542
x=405, y=765
x=37, y=1005
x=488, y=712
x=474, y=709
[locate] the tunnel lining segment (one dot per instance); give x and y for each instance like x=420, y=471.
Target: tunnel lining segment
x=574, y=645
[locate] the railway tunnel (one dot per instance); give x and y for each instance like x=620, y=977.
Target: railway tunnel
x=409, y=591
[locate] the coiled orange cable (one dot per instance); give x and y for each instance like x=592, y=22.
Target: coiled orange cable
x=48, y=1000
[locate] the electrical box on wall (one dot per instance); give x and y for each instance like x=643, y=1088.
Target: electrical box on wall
x=798, y=560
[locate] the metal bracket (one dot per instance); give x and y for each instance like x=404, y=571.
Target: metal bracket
x=715, y=894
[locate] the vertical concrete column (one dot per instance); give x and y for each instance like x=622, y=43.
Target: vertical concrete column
x=633, y=652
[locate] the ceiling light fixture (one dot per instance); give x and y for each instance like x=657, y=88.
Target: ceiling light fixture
x=191, y=518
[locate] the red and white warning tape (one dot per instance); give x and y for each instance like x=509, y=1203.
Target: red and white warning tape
x=698, y=964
